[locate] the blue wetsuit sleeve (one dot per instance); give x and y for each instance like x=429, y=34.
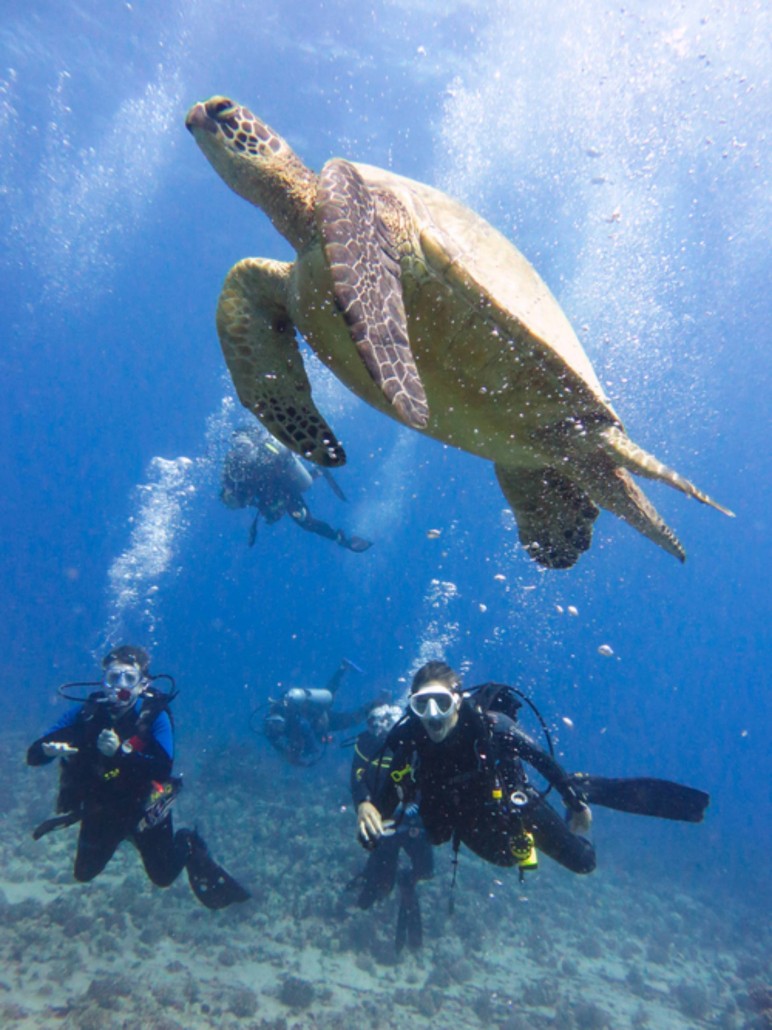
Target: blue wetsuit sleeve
x=61, y=732
x=162, y=734
x=153, y=760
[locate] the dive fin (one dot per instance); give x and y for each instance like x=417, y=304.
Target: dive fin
x=333, y=485
x=252, y=535
x=401, y=935
x=357, y=544
x=409, y=924
x=644, y=796
x=415, y=933
x=58, y=822
x=212, y=885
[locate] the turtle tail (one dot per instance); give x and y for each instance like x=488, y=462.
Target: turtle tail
x=624, y=452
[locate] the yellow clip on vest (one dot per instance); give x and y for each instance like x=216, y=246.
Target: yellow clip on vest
x=398, y=775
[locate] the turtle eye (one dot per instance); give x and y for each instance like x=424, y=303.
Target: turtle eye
x=223, y=110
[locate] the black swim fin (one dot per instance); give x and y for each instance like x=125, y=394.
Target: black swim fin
x=212, y=885
x=333, y=485
x=58, y=822
x=252, y=535
x=643, y=796
x=409, y=924
x=357, y=544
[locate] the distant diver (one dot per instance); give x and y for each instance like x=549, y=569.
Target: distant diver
x=299, y=724
x=427, y=313
x=372, y=759
x=260, y=472
x=116, y=749
x=460, y=755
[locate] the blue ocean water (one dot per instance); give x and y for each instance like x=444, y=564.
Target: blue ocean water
x=623, y=149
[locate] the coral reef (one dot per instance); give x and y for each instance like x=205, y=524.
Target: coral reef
x=557, y=952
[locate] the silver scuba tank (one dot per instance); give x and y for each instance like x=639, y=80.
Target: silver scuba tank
x=316, y=700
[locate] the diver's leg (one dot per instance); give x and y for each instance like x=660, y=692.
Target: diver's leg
x=336, y=679
x=380, y=872
x=305, y=520
x=303, y=517
x=163, y=853
x=553, y=836
x=421, y=855
x=97, y=842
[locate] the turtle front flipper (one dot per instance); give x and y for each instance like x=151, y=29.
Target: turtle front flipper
x=554, y=516
x=367, y=287
x=261, y=350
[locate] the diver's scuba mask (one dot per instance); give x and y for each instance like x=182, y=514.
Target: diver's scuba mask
x=123, y=684
x=437, y=708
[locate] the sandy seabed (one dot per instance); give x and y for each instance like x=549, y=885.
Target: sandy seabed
x=574, y=953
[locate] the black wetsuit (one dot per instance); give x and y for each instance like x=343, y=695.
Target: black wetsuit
x=109, y=794
x=464, y=786
x=370, y=766
x=273, y=491
x=264, y=474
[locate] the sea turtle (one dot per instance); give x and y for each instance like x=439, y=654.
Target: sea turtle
x=430, y=315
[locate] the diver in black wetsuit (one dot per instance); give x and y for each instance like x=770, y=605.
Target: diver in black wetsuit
x=116, y=750
x=372, y=761
x=464, y=762
x=260, y=472
x=299, y=723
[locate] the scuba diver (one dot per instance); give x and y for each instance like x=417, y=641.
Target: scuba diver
x=371, y=760
x=260, y=472
x=116, y=749
x=299, y=723
x=461, y=755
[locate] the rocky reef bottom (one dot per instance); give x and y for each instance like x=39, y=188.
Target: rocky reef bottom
x=575, y=953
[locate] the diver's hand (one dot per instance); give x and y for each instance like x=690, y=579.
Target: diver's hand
x=57, y=748
x=108, y=742
x=370, y=825
x=581, y=821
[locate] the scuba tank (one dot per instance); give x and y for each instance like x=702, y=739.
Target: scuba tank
x=298, y=475
x=311, y=700
x=294, y=472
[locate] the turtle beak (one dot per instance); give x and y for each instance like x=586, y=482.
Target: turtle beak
x=198, y=118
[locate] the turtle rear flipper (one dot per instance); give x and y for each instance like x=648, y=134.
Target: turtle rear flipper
x=616, y=491
x=258, y=340
x=616, y=443
x=367, y=287
x=554, y=516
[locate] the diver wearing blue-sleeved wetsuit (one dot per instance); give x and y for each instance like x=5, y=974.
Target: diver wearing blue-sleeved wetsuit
x=117, y=750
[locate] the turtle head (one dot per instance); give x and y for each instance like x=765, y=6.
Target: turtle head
x=238, y=145
x=253, y=159
x=227, y=125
